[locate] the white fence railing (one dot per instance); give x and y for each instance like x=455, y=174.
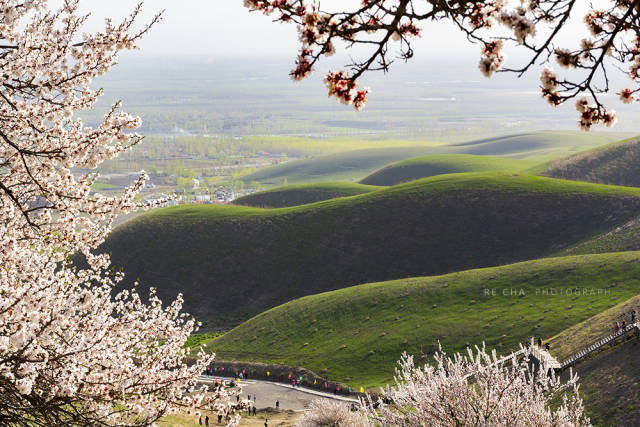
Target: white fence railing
x=598, y=345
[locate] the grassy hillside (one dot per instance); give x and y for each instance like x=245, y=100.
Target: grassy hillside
x=546, y=145
x=346, y=166
x=609, y=386
x=356, y=334
x=608, y=378
x=580, y=335
x=440, y=164
x=616, y=164
x=625, y=237
x=234, y=262
x=357, y=164
x=295, y=195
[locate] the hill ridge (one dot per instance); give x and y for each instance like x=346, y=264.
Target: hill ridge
x=302, y=194
x=442, y=164
x=233, y=262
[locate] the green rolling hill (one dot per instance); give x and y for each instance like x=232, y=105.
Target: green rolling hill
x=356, y=334
x=234, y=262
x=357, y=164
x=536, y=144
x=616, y=164
x=344, y=166
x=440, y=164
x=302, y=194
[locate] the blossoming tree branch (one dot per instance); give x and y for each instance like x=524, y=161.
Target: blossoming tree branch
x=72, y=353
x=472, y=389
x=385, y=29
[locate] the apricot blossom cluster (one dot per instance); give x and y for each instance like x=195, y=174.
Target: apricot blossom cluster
x=612, y=38
x=72, y=352
x=463, y=389
x=473, y=389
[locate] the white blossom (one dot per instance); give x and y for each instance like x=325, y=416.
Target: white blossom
x=66, y=341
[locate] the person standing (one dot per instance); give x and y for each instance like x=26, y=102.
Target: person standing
x=200, y=420
x=206, y=421
x=219, y=418
x=633, y=316
x=616, y=327
x=266, y=423
x=254, y=398
x=540, y=342
x=277, y=405
x=254, y=410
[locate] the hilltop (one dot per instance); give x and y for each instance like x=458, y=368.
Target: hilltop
x=616, y=164
x=356, y=334
x=234, y=262
x=295, y=195
x=355, y=165
x=441, y=164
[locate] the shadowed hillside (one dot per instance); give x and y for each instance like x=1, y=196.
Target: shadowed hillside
x=609, y=377
x=440, y=164
x=616, y=164
x=234, y=262
x=625, y=237
x=356, y=334
x=610, y=388
x=295, y=195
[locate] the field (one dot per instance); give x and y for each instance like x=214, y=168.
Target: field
x=356, y=334
x=234, y=262
x=426, y=166
x=295, y=195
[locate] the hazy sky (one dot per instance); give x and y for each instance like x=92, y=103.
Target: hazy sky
x=214, y=28
x=227, y=28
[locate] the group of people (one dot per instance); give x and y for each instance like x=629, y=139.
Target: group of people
x=244, y=374
x=226, y=416
x=546, y=346
x=617, y=327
